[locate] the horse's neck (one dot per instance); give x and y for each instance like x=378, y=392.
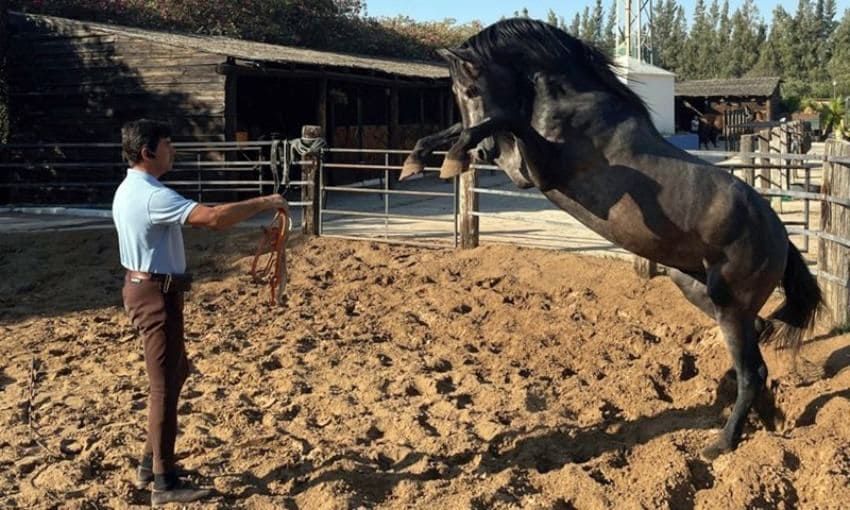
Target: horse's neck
x=600, y=118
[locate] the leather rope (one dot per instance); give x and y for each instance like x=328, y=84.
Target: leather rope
x=272, y=245
x=273, y=241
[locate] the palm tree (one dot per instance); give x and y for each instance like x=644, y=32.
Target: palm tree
x=832, y=116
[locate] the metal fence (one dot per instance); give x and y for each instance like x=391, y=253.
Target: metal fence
x=423, y=211
x=86, y=174
x=811, y=193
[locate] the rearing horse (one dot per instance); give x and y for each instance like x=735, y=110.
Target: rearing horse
x=534, y=96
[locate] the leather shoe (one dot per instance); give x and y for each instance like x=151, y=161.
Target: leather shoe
x=181, y=492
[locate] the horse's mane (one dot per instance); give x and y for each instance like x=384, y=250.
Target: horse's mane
x=529, y=45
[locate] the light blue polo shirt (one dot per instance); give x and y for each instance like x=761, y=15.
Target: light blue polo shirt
x=148, y=216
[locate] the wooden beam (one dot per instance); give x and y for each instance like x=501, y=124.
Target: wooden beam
x=442, y=101
x=230, y=100
x=335, y=75
x=359, y=120
x=392, y=125
x=322, y=105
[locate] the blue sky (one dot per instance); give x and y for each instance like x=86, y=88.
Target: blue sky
x=489, y=11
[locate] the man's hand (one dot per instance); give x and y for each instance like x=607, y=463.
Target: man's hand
x=276, y=201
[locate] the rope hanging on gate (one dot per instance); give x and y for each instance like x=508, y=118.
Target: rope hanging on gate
x=279, y=165
x=306, y=146
x=273, y=246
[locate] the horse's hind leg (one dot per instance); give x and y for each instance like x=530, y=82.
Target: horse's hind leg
x=741, y=341
x=746, y=357
x=694, y=289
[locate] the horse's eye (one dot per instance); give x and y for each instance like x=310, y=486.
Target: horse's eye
x=472, y=91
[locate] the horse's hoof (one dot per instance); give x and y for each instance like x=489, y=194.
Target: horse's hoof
x=768, y=410
x=410, y=168
x=720, y=446
x=453, y=168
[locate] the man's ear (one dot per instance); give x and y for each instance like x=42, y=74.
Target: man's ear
x=147, y=153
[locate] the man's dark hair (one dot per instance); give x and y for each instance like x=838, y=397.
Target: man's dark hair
x=141, y=133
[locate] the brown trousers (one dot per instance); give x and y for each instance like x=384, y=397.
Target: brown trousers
x=159, y=319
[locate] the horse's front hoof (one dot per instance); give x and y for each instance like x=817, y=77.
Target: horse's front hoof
x=720, y=446
x=410, y=168
x=453, y=168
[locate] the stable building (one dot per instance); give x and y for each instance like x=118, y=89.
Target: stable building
x=76, y=81
x=751, y=99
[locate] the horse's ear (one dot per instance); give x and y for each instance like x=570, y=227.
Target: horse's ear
x=448, y=55
x=464, y=58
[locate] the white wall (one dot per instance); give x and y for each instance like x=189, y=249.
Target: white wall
x=657, y=91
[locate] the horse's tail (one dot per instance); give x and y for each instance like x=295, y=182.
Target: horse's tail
x=803, y=301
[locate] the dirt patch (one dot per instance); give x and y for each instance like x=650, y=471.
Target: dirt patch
x=397, y=378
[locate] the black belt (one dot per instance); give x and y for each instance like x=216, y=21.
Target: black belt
x=168, y=282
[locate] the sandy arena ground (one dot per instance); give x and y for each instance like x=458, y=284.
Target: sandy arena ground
x=397, y=378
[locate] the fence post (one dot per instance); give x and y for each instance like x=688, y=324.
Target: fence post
x=763, y=175
x=645, y=268
x=834, y=258
x=310, y=193
x=467, y=205
x=748, y=144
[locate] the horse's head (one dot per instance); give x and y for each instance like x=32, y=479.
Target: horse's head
x=483, y=92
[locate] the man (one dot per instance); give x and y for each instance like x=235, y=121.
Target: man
x=148, y=217
x=695, y=124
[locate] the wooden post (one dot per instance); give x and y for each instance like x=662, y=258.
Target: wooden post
x=359, y=109
x=230, y=100
x=763, y=175
x=393, y=134
x=393, y=127
x=646, y=268
x=322, y=107
x=443, y=113
x=834, y=258
x=467, y=205
x=311, y=172
x=748, y=144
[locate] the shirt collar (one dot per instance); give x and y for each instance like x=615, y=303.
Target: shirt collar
x=144, y=175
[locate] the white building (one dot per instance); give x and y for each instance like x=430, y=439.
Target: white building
x=655, y=86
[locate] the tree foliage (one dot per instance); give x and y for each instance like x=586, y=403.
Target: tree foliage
x=809, y=49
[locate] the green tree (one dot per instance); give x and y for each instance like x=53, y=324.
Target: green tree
x=598, y=37
x=776, y=49
x=698, y=58
x=722, y=48
x=746, y=39
x=668, y=36
x=588, y=29
x=839, y=64
x=833, y=117
x=609, y=36
x=557, y=21
x=575, y=26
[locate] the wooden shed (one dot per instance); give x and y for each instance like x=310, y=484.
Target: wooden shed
x=79, y=81
x=758, y=98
